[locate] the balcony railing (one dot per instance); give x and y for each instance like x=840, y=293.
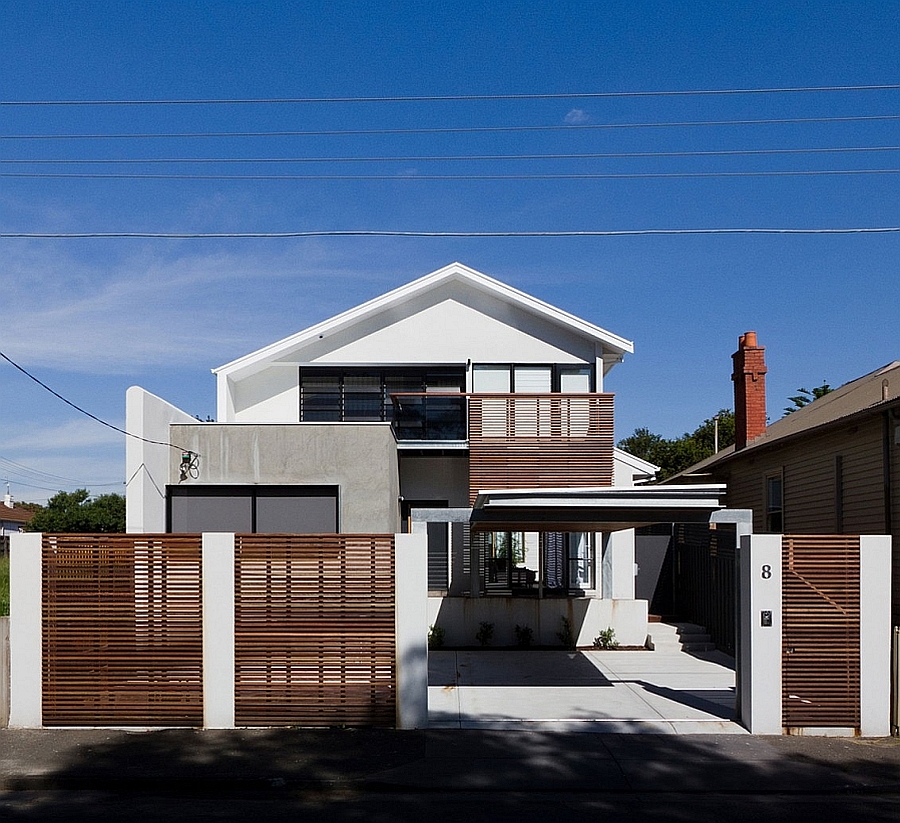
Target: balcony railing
x=429, y=416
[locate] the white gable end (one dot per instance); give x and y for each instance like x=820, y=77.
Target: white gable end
x=453, y=316
x=451, y=332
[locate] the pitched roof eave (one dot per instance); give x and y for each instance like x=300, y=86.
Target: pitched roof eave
x=611, y=342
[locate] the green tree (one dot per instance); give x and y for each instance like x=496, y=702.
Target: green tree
x=76, y=512
x=806, y=396
x=678, y=454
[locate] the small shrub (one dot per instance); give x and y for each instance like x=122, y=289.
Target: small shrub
x=485, y=633
x=435, y=637
x=565, y=634
x=524, y=636
x=606, y=639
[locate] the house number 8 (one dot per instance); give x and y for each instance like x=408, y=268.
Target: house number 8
x=766, y=572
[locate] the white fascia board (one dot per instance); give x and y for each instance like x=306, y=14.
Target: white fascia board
x=400, y=295
x=637, y=463
x=637, y=496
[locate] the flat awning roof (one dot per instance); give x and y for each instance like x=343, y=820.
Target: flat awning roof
x=602, y=508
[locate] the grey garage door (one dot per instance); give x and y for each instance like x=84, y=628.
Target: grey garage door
x=253, y=509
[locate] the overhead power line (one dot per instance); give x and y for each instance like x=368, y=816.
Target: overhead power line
x=413, y=176
x=8, y=467
x=87, y=413
x=436, y=234
x=436, y=98
x=451, y=129
x=640, y=155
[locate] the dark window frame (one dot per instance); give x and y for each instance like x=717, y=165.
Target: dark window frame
x=774, y=505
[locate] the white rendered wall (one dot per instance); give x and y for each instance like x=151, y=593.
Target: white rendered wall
x=461, y=617
x=485, y=330
x=759, y=565
x=617, y=565
x=875, y=634
x=270, y=396
x=147, y=464
x=25, y=606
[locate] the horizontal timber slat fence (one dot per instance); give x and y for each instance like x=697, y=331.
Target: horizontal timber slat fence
x=122, y=632
x=821, y=634
x=314, y=630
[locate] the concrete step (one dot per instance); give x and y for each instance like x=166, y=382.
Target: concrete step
x=687, y=637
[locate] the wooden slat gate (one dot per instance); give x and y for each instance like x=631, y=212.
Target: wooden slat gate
x=314, y=630
x=122, y=637
x=820, y=639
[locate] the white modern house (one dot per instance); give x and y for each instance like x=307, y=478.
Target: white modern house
x=454, y=404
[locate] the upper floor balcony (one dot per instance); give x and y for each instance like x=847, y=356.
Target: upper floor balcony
x=516, y=440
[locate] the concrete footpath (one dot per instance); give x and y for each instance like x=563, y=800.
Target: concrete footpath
x=222, y=763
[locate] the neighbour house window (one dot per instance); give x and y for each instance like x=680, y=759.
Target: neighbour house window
x=775, y=503
x=839, y=494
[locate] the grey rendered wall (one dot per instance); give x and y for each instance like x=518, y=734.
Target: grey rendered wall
x=360, y=458
x=442, y=478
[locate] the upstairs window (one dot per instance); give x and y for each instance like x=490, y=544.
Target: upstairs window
x=364, y=394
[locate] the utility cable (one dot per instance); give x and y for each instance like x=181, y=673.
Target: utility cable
x=88, y=414
x=675, y=175
x=440, y=98
x=452, y=129
x=413, y=158
x=391, y=233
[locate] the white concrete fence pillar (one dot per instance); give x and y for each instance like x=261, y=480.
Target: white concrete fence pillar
x=875, y=635
x=218, y=630
x=25, y=604
x=760, y=625
x=411, y=626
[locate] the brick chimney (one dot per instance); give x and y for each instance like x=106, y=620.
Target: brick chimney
x=749, y=390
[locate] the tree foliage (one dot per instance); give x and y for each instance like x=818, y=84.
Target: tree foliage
x=805, y=396
x=76, y=512
x=673, y=456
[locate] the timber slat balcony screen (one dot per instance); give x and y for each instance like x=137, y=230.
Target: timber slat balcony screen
x=820, y=639
x=523, y=441
x=122, y=636
x=314, y=630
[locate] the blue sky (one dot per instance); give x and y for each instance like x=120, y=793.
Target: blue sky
x=92, y=316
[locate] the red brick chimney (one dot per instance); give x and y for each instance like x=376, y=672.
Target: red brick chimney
x=749, y=390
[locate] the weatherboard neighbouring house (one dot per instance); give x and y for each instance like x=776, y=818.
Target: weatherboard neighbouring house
x=454, y=404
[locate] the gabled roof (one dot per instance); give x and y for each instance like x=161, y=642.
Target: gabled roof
x=869, y=394
x=14, y=515
x=392, y=300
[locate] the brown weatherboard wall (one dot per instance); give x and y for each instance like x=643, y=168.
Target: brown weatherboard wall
x=810, y=491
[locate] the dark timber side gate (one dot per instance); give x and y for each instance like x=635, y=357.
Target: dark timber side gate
x=705, y=580
x=820, y=636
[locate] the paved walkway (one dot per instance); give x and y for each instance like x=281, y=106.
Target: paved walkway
x=660, y=692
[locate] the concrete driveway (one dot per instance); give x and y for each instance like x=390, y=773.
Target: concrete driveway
x=659, y=692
